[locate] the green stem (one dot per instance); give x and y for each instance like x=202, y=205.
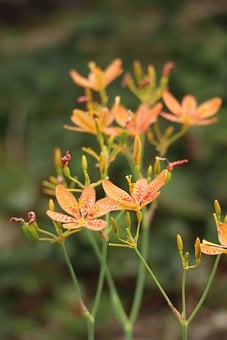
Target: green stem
x=140, y=278
x=85, y=312
x=162, y=291
x=142, y=270
x=101, y=279
x=184, y=330
x=206, y=290
x=183, y=292
x=118, y=307
x=184, y=326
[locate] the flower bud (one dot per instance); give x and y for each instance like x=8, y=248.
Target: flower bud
x=66, y=172
x=197, y=250
x=157, y=166
x=139, y=215
x=57, y=157
x=114, y=225
x=137, y=150
x=180, y=245
x=217, y=210
x=128, y=219
x=84, y=163
x=102, y=163
x=51, y=205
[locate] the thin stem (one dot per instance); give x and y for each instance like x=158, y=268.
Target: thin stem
x=184, y=326
x=140, y=278
x=85, y=311
x=206, y=290
x=184, y=330
x=101, y=279
x=141, y=272
x=117, y=304
x=183, y=292
x=162, y=291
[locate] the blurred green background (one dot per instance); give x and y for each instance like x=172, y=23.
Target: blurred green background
x=40, y=42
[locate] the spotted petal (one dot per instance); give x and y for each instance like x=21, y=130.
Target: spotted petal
x=60, y=217
x=154, y=186
x=66, y=200
x=115, y=192
x=87, y=201
x=139, y=190
x=210, y=248
x=102, y=207
x=222, y=233
x=96, y=224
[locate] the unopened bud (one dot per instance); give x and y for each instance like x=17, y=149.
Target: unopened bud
x=51, y=205
x=197, y=249
x=137, y=150
x=157, y=166
x=57, y=157
x=149, y=173
x=114, y=225
x=84, y=163
x=217, y=209
x=66, y=172
x=102, y=163
x=186, y=258
x=128, y=219
x=139, y=215
x=180, y=245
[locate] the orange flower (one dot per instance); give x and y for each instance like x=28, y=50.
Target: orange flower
x=138, y=122
x=98, y=79
x=84, y=212
x=210, y=248
x=141, y=192
x=188, y=112
x=87, y=121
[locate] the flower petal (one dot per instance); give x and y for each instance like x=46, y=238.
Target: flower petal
x=78, y=79
x=139, y=190
x=102, y=207
x=145, y=116
x=209, y=108
x=210, y=248
x=222, y=233
x=172, y=104
x=87, y=201
x=112, y=71
x=171, y=117
x=115, y=192
x=60, y=217
x=84, y=121
x=66, y=200
x=154, y=186
x=96, y=224
x=189, y=105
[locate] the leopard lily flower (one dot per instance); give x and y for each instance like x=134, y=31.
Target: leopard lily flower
x=83, y=213
x=138, y=122
x=98, y=79
x=188, y=112
x=142, y=192
x=88, y=121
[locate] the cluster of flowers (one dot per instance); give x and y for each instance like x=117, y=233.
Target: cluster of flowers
x=113, y=127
